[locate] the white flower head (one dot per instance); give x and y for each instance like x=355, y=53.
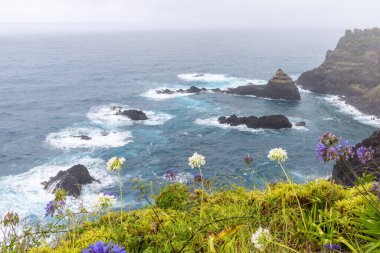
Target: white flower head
x=277, y=154
x=103, y=201
x=197, y=160
x=115, y=163
x=261, y=238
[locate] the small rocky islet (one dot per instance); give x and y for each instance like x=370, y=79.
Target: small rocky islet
x=280, y=86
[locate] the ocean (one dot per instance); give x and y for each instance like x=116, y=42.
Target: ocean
x=56, y=86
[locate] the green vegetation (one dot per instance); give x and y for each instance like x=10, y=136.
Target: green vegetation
x=319, y=216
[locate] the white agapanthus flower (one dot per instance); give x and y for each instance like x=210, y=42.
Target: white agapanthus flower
x=103, y=201
x=197, y=160
x=261, y=238
x=115, y=163
x=277, y=154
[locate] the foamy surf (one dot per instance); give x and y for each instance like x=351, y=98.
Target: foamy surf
x=106, y=115
x=17, y=190
x=152, y=94
x=214, y=123
x=88, y=137
x=352, y=111
x=218, y=80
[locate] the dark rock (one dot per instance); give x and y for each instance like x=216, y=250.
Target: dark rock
x=133, y=114
x=343, y=174
x=70, y=180
x=302, y=123
x=280, y=86
x=271, y=121
x=194, y=89
x=83, y=137
x=352, y=69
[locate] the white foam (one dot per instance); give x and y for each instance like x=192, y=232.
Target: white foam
x=25, y=195
x=152, y=94
x=214, y=122
x=219, y=80
x=66, y=138
x=302, y=90
x=106, y=115
x=351, y=110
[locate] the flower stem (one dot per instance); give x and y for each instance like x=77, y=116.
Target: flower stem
x=200, y=214
x=298, y=201
x=121, y=197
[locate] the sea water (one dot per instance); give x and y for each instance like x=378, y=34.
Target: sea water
x=54, y=87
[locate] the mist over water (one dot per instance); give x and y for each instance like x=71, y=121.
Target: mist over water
x=56, y=86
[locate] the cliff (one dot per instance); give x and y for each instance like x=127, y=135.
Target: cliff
x=352, y=69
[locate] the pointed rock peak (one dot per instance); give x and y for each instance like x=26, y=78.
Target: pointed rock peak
x=281, y=78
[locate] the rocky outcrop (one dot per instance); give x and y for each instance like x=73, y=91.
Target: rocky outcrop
x=281, y=86
x=352, y=69
x=132, y=114
x=192, y=89
x=83, y=137
x=343, y=175
x=271, y=121
x=70, y=180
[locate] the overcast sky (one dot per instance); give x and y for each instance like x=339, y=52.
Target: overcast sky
x=186, y=14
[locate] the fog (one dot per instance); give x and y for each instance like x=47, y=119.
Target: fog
x=110, y=15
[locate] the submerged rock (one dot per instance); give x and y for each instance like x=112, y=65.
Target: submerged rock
x=83, y=137
x=70, y=180
x=132, y=114
x=271, y=121
x=343, y=174
x=301, y=123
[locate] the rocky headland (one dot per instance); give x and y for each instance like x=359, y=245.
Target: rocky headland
x=280, y=86
x=270, y=121
x=351, y=70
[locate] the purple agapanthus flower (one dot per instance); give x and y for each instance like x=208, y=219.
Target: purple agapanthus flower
x=171, y=174
x=108, y=193
x=365, y=154
x=333, y=148
x=332, y=247
x=101, y=247
x=54, y=206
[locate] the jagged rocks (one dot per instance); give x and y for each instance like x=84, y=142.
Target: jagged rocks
x=271, y=121
x=70, y=180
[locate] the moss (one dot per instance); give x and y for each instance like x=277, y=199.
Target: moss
x=229, y=217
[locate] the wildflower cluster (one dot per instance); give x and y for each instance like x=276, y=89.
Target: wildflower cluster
x=171, y=174
x=54, y=206
x=375, y=189
x=333, y=148
x=102, y=247
x=104, y=200
x=115, y=163
x=261, y=238
x=278, y=154
x=197, y=161
x=365, y=154
x=331, y=247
